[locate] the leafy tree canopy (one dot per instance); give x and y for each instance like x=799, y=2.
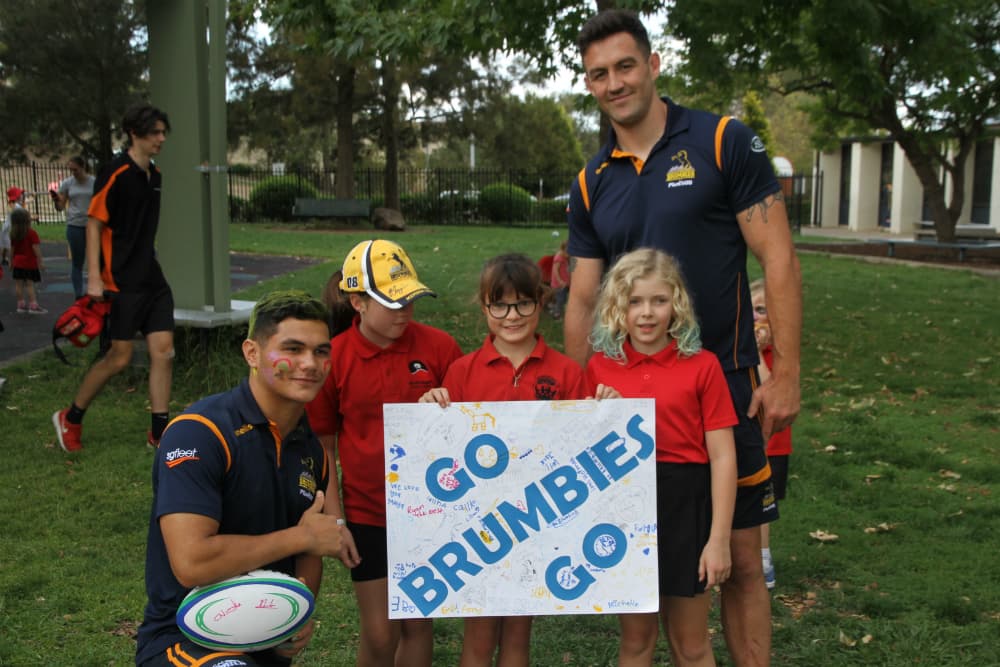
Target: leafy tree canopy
x=69, y=69
x=923, y=71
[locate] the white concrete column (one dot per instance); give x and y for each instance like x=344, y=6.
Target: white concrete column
x=829, y=194
x=866, y=162
x=907, y=194
x=994, y=220
x=965, y=217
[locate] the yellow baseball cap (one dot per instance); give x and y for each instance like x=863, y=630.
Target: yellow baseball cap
x=383, y=270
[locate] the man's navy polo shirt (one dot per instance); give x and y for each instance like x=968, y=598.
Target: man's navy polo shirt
x=222, y=459
x=681, y=202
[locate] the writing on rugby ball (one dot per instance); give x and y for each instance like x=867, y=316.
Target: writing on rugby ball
x=251, y=612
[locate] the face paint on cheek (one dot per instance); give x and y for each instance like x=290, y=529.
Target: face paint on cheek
x=279, y=365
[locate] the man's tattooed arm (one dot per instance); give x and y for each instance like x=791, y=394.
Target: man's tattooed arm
x=760, y=208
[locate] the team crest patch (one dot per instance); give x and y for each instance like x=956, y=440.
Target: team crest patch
x=681, y=172
x=546, y=388
x=756, y=145
x=416, y=366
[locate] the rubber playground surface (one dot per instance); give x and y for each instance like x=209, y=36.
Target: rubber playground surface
x=25, y=333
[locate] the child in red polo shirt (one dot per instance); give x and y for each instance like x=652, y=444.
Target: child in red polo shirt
x=26, y=258
x=514, y=364
x=647, y=345
x=384, y=357
x=779, y=446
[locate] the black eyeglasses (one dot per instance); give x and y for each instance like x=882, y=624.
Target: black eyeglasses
x=500, y=310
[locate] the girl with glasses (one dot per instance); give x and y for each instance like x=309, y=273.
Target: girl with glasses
x=513, y=364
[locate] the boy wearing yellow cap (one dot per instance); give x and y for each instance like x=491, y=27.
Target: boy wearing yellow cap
x=384, y=357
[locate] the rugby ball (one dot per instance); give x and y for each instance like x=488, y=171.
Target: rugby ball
x=251, y=612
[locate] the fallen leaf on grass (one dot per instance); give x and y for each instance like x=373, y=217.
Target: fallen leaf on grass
x=880, y=528
x=824, y=536
x=950, y=488
x=861, y=404
x=847, y=641
x=949, y=474
x=867, y=639
x=871, y=478
x=830, y=448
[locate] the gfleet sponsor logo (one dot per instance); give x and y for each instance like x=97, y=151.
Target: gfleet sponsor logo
x=179, y=456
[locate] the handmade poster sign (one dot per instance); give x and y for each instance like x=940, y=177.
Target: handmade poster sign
x=524, y=507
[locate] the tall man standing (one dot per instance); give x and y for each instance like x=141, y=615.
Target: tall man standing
x=121, y=265
x=701, y=188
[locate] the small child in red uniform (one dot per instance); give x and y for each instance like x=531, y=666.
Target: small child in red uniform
x=513, y=364
x=647, y=345
x=384, y=357
x=560, y=280
x=26, y=261
x=779, y=447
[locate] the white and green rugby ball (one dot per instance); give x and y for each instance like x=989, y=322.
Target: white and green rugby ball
x=251, y=612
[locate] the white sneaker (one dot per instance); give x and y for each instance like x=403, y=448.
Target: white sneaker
x=769, y=579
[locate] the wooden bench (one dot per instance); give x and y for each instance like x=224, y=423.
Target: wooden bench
x=967, y=232
x=306, y=207
x=960, y=246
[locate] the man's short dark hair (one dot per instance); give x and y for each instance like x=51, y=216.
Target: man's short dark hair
x=277, y=306
x=141, y=120
x=611, y=22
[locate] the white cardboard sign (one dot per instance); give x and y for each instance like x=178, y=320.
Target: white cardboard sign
x=521, y=508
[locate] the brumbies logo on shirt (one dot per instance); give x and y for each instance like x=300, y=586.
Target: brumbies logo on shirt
x=416, y=366
x=178, y=456
x=307, y=485
x=681, y=172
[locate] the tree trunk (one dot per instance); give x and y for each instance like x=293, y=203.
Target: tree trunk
x=343, y=187
x=390, y=131
x=945, y=216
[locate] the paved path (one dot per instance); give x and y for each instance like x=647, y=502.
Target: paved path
x=24, y=333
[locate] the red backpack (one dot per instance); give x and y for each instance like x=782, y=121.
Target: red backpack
x=81, y=323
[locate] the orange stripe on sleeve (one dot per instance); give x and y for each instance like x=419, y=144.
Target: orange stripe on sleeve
x=99, y=202
x=582, y=178
x=212, y=427
x=719, y=129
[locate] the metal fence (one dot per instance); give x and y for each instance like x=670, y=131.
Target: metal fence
x=427, y=196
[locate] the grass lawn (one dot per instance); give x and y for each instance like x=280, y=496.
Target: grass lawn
x=896, y=453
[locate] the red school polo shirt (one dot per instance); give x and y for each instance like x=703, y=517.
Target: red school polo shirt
x=691, y=394
x=780, y=443
x=487, y=375
x=362, y=378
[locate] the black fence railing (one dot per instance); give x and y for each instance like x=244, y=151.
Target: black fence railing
x=427, y=196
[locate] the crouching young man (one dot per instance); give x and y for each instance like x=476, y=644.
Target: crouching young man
x=237, y=485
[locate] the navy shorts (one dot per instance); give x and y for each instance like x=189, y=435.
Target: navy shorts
x=373, y=550
x=779, y=474
x=755, y=501
x=145, y=312
x=34, y=275
x=684, y=522
x=186, y=653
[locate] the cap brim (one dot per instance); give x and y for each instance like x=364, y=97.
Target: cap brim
x=401, y=295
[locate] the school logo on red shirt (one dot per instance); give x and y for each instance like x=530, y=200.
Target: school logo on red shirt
x=546, y=388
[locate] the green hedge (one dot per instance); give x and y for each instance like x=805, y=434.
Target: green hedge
x=505, y=202
x=274, y=196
